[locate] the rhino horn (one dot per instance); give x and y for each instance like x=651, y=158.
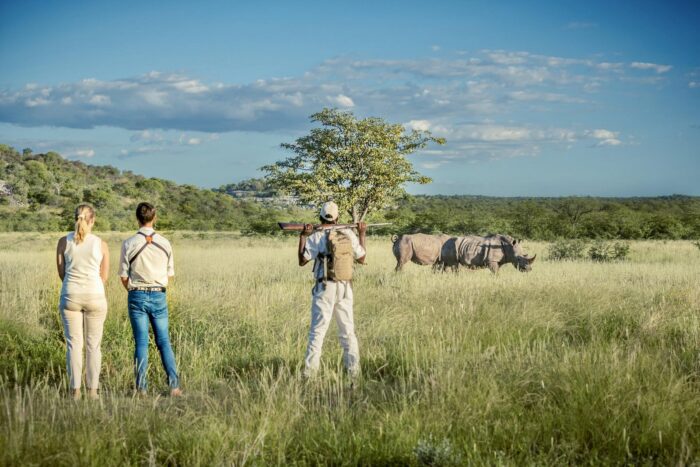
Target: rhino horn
x=531, y=260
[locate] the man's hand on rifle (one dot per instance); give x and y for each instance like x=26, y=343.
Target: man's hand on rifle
x=361, y=228
x=308, y=230
x=303, y=235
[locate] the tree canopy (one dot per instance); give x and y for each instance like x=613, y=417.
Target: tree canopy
x=360, y=164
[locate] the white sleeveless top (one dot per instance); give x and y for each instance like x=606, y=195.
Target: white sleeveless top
x=82, y=266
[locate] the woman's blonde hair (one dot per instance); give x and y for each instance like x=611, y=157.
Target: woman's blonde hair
x=84, y=213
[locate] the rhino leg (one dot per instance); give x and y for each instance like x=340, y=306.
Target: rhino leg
x=403, y=253
x=493, y=266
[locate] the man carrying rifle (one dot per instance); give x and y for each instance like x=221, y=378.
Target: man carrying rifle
x=333, y=250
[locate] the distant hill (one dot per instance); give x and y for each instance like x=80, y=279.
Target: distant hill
x=38, y=192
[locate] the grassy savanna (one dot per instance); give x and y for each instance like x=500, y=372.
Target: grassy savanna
x=576, y=362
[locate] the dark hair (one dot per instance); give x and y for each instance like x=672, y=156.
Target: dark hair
x=145, y=212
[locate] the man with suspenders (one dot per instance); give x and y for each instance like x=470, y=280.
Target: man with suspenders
x=145, y=265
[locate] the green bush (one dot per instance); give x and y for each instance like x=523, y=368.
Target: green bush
x=606, y=251
x=433, y=453
x=567, y=250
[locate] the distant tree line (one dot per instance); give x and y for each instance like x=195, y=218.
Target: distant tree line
x=668, y=217
x=38, y=192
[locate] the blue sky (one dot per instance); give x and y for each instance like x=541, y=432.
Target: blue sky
x=534, y=98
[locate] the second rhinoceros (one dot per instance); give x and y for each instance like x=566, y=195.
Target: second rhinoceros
x=491, y=251
x=419, y=248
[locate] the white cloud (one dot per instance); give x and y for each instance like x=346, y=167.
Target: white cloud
x=651, y=66
x=100, y=100
x=694, y=84
x=605, y=137
x=489, y=140
x=156, y=141
x=603, y=134
x=342, y=100
x=499, y=133
x=147, y=136
x=154, y=97
x=86, y=153
x=418, y=125
x=615, y=66
x=37, y=101
x=192, y=86
x=545, y=97
x=610, y=142
x=495, y=133
x=483, y=85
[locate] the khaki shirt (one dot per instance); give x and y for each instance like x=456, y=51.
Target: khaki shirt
x=153, y=266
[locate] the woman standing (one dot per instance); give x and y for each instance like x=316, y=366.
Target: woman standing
x=83, y=264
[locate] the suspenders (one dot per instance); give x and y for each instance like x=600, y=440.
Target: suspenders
x=149, y=241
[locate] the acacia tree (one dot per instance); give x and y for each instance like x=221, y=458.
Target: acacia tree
x=359, y=164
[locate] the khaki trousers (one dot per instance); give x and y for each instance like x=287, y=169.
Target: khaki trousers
x=83, y=318
x=335, y=300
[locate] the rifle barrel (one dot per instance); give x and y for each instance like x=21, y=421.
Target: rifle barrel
x=297, y=227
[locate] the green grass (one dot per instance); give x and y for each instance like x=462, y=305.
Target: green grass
x=574, y=363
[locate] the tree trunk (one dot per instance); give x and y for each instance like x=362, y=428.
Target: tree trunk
x=355, y=216
x=364, y=213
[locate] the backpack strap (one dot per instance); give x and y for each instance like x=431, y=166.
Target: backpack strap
x=149, y=241
x=325, y=257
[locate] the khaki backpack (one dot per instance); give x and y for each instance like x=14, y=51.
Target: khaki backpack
x=340, y=256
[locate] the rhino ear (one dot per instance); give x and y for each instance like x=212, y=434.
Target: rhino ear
x=514, y=241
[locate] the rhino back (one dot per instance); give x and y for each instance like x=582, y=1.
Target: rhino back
x=426, y=248
x=470, y=250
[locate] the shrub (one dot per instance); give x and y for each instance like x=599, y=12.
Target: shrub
x=606, y=251
x=567, y=250
x=430, y=452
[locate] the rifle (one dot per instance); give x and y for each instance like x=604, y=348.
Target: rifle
x=297, y=227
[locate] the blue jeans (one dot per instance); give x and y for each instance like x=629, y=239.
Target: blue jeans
x=144, y=307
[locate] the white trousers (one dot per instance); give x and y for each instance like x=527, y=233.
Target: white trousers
x=334, y=300
x=83, y=319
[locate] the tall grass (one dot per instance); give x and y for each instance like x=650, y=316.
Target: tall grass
x=576, y=362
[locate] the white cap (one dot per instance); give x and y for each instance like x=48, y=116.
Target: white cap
x=329, y=211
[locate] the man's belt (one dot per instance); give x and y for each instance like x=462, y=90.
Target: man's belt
x=147, y=289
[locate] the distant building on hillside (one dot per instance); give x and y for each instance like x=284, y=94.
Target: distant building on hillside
x=259, y=191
